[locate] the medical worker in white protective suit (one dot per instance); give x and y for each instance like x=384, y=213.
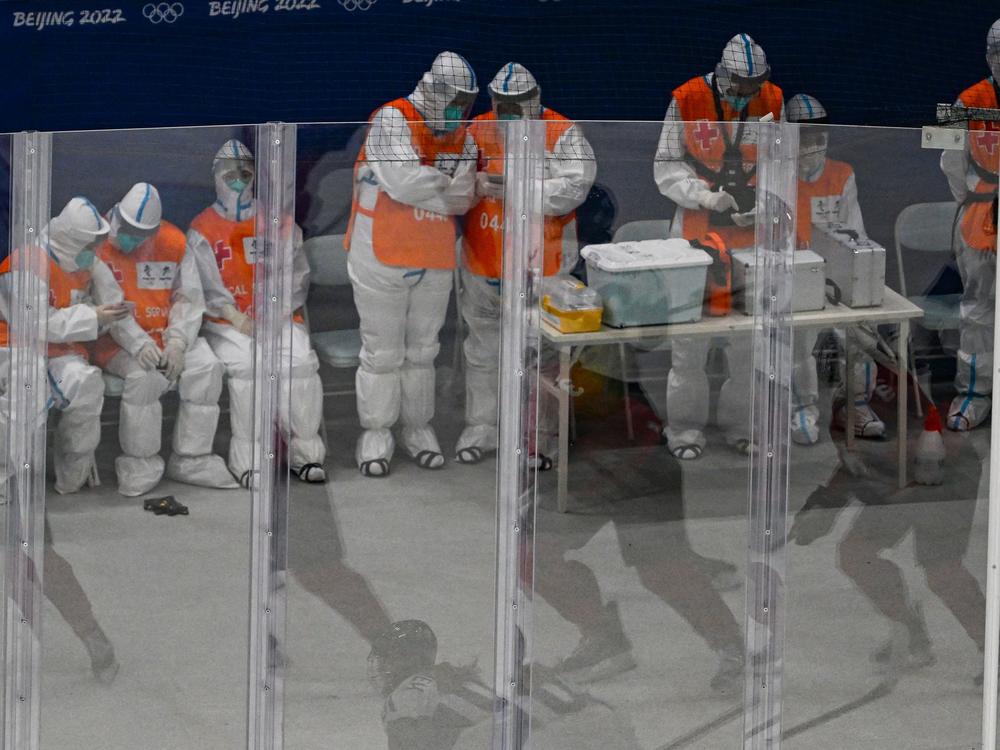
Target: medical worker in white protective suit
x=706, y=163
x=570, y=170
x=222, y=240
x=973, y=176
x=414, y=175
x=827, y=194
x=83, y=300
x=149, y=260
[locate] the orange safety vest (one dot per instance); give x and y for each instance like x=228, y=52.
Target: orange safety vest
x=706, y=143
x=146, y=277
x=402, y=235
x=233, y=245
x=819, y=201
x=65, y=290
x=482, y=237
x=978, y=223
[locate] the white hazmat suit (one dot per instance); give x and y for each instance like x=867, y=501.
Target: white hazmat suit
x=221, y=240
x=739, y=80
x=404, y=184
x=83, y=299
x=150, y=261
x=569, y=173
x=972, y=180
x=828, y=194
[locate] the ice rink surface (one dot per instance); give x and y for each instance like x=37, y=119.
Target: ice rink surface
x=172, y=594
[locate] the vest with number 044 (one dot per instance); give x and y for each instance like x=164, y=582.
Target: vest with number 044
x=402, y=235
x=706, y=143
x=146, y=277
x=819, y=201
x=482, y=237
x=65, y=290
x=233, y=244
x=978, y=224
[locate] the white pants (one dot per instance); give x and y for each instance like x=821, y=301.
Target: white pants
x=805, y=379
x=8, y=406
x=481, y=307
x=300, y=411
x=688, y=391
x=974, y=375
x=78, y=392
x=141, y=421
x=402, y=311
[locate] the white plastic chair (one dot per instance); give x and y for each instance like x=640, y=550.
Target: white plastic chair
x=646, y=229
x=928, y=228
x=328, y=267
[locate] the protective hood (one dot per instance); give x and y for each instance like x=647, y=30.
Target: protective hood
x=446, y=92
x=72, y=237
x=233, y=170
x=993, y=50
x=515, y=93
x=136, y=217
x=813, y=139
x=806, y=109
x=742, y=71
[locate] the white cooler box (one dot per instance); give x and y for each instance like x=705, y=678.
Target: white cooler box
x=809, y=292
x=856, y=266
x=647, y=283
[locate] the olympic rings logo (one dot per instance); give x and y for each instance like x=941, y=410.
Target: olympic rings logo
x=162, y=12
x=353, y=5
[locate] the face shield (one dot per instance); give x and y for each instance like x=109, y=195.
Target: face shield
x=85, y=258
x=514, y=106
x=125, y=235
x=458, y=109
x=813, y=143
x=739, y=90
x=993, y=60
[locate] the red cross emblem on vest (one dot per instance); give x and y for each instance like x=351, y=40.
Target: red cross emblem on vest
x=987, y=140
x=705, y=133
x=119, y=276
x=222, y=253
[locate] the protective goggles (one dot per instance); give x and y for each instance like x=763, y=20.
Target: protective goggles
x=231, y=170
x=737, y=86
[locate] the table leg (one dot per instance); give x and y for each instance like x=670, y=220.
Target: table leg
x=629, y=427
x=562, y=469
x=902, y=400
x=848, y=390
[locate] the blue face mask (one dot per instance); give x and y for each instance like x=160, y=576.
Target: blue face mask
x=508, y=117
x=85, y=259
x=739, y=103
x=237, y=186
x=127, y=243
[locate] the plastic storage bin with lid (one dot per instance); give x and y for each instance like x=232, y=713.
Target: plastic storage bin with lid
x=569, y=306
x=649, y=282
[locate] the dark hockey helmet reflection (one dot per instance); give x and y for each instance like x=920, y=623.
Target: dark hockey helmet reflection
x=404, y=648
